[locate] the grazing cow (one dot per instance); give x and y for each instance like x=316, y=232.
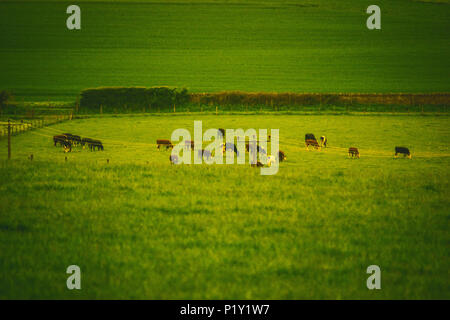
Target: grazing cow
x=231, y=146
x=353, y=152
x=189, y=144
x=323, y=141
x=258, y=148
x=166, y=143
x=76, y=140
x=257, y=164
x=205, y=153
x=310, y=140
x=402, y=150
x=174, y=159
x=59, y=139
x=86, y=141
x=67, y=145
x=221, y=132
x=281, y=156
x=96, y=144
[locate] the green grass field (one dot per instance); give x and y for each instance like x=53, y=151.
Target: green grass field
x=141, y=228
x=297, y=46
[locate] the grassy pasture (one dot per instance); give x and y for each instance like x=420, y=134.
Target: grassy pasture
x=141, y=228
x=209, y=46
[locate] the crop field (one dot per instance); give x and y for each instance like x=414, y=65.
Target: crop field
x=209, y=46
x=142, y=228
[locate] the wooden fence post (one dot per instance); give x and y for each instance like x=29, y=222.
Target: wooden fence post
x=9, y=139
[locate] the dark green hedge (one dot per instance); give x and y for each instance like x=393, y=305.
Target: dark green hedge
x=228, y=98
x=132, y=98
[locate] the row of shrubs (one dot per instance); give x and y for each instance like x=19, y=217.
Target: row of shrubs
x=132, y=98
x=317, y=99
x=139, y=99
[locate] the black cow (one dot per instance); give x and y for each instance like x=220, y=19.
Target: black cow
x=323, y=141
x=67, y=145
x=174, y=159
x=59, y=139
x=281, y=156
x=402, y=150
x=76, y=139
x=221, y=132
x=96, y=144
x=231, y=146
x=86, y=141
x=73, y=138
x=310, y=140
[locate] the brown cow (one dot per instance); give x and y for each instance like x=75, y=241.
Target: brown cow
x=166, y=143
x=353, y=152
x=189, y=144
x=310, y=140
x=313, y=143
x=258, y=164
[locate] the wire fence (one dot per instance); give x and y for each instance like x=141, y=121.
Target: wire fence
x=24, y=125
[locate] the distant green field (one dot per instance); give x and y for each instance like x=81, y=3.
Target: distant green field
x=141, y=228
x=297, y=46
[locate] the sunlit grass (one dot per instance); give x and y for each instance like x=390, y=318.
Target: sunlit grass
x=141, y=228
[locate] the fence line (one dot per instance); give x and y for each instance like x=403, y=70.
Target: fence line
x=23, y=125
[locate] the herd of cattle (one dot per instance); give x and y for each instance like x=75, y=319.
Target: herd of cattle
x=68, y=140
x=353, y=152
x=310, y=141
